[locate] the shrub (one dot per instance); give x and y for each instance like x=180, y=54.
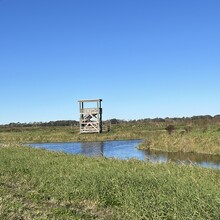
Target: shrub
x=170, y=129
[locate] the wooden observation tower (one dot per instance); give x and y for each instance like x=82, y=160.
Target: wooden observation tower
x=90, y=118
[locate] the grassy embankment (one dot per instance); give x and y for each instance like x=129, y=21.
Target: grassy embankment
x=63, y=134
x=199, y=138
x=197, y=142
x=38, y=184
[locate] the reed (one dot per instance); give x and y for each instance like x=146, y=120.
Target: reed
x=197, y=142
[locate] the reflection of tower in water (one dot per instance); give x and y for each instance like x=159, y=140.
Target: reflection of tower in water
x=93, y=148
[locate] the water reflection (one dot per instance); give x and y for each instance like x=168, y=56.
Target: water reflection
x=128, y=149
x=204, y=160
x=92, y=148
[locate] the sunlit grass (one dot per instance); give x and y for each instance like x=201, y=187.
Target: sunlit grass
x=199, y=142
x=37, y=184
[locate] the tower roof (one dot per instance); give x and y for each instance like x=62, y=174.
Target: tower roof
x=90, y=100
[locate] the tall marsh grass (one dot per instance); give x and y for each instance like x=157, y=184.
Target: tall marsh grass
x=198, y=142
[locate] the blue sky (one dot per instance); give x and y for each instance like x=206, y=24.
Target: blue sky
x=144, y=58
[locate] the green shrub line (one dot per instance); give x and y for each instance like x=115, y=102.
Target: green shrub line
x=40, y=184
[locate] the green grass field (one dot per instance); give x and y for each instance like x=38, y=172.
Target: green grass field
x=39, y=184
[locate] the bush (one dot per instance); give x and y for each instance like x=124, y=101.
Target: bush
x=170, y=129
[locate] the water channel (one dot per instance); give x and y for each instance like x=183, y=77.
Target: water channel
x=127, y=149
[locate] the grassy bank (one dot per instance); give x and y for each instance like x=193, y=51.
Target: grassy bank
x=37, y=184
x=197, y=142
x=64, y=134
x=199, y=138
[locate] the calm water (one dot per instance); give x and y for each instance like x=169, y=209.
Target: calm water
x=127, y=149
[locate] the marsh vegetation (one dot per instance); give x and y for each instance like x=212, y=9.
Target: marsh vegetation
x=40, y=184
x=199, y=134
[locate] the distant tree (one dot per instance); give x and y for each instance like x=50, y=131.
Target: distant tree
x=158, y=120
x=114, y=121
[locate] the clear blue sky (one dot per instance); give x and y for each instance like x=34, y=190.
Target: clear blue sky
x=144, y=58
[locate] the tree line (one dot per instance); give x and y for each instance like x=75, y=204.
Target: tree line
x=196, y=120
x=193, y=120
